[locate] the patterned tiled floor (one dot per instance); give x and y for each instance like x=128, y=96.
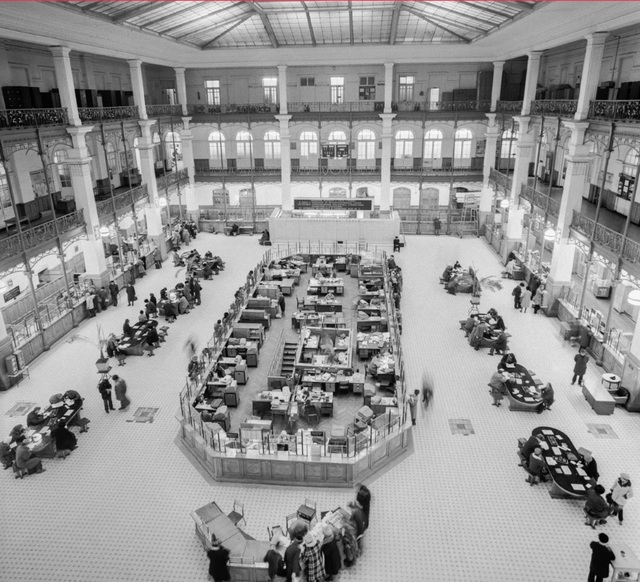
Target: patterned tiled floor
x=457, y=508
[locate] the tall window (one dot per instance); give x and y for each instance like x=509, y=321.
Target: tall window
x=434, y=98
x=173, y=147
x=508, y=143
x=243, y=145
x=270, y=89
x=337, y=136
x=272, y=145
x=157, y=148
x=212, y=87
x=308, y=144
x=628, y=175
x=404, y=144
x=366, y=145
x=367, y=88
x=433, y=144
x=60, y=159
x=5, y=198
x=406, y=85
x=462, y=148
x=112, y=161
x=337, y=89
x=217, y=148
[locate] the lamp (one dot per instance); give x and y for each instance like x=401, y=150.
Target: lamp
x=549, y=234
x=634, y=297
x=504, y=203
x=162, y=202
x=104, y=231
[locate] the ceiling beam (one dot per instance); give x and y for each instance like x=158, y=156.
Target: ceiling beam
x=464, y=15
x=395, y=17
x=522, y=5
x=143, y=8
x=437, y=25
x=212, y=27
x=201, y=20
x=350, y=22
x=306, y=10
x=265, y=22
x=479, y=6
x=214, y=39
x=460, y=24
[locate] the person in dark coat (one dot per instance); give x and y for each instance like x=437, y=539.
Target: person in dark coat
x=113, y=291
x=292, y=558
x=121, y=392
x=548, y=398
x=281, y=302
x=65, y=439
x=590, y=465
x=131, y=294
x=580, y=368
x=601, y=558
x=276, y=564
x=105, y=391
x=331, y=553
x=517, y=296
x=218, y=560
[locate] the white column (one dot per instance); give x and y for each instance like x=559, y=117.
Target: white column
x=186, y=135
x=79, y=160
x=147, y=170
x=492, y=134
x=285, y=162
x=525, y=148
x=64, y=77
x=5, y=72
x=388, y=86
x=282, y=93
x=590, y=72
x=137, y=85
x=181, y=86
x=385, y=173
x=531, y=82
x=496, y=86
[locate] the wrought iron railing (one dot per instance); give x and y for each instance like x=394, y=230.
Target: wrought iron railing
x=172, y=178
x=540, y=199
x=600, y=234
x=121, y=200
x=164, y=110
x=557, y=107
x=403, y=106
x=509, y=107
x=98, y=114
x=624, y=110
x=19, y=118
x=232, y=108
x=499, y=179
x=238, y=171
x=31, y=237
x=346, y=107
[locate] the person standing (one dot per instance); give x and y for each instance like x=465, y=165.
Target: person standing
x=620, y=492
x=331, y=553
x=218, y=562
x=547, y=395
x=580, y=367
x=537, y=300
x=601, y=557
x=525, y=299
x=396, y=244
x=498, y=387
x=131, y=294
x=105, y=391
x=436, y=225
x=281, y=302
x=120, y=387
x=413, y=406
x=103, y=295
x=311, y=559
x=292, y=559
x=113, y=291
x=517, y=294
x=157, y=258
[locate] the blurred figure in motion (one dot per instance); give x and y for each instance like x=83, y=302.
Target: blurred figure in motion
x=191, y=346
x=427, y=390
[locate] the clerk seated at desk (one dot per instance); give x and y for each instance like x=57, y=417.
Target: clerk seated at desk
x=507, y=362
x=500, y=344
x=127, y=329
x=330, y=296
x=590, y=465
x=235, y=229
x=497, y=319
x=482, y=330
x=64, y=438
x=34, y=418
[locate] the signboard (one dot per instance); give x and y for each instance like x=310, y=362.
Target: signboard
x=335, y=150
x=342, y=150
x=333, y=204
x=328, y=150
x=221, y=197
x=233, y=435
x=12, y=294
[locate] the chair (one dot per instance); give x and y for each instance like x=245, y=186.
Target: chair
x=275, y=532
x=475, y=301
x=292, y=517
x=307, y=511
x=237, y=515
x=310, y=412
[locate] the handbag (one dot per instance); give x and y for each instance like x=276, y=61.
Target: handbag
x=135, y=297
x=609, y=498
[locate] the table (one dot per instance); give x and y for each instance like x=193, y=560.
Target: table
x=562, y=461
x=266, y=402
x=324, y=286
x=370, y=344
x=300, y=318
x=626, y=566
x=323, y=305
x=521, y=390
x=248, y=350
x=323, y=401
x=133, y=345
x=601, y=400
x=611, y=382
x=370, y=322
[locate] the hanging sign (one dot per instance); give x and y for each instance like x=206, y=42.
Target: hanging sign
x=333, y=204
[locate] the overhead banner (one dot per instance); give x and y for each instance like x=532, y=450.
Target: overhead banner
x=333, y=204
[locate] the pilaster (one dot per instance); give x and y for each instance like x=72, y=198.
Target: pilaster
x=590, y=72
x=285, y=162
x=64, y=77
x=531, y=81
x=496, y=85
x=282, y=92
x=388, y=86
x=524, y=154
x=181, y=87
x=385, y=174
x=137, y=86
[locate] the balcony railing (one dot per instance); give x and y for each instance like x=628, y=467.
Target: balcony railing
x=232, y=108
x=164, y=182
x=238, y=171
x=29, y=238
x=557, y=107
x=509, y=107
x=614, y=241
x=122, y=200
x=540, y=199
x=164, y=110
x=20, y=118
x=500, y=179
x=99, y=114
x=615, y=110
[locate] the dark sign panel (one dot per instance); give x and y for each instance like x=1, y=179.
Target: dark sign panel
x=328, y=150
x=9, y=295
x=342, y=150
x=333, y=204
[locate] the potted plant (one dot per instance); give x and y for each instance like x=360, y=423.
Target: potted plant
x=102, y=363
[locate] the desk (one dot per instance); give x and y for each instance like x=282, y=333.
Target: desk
x=521, y=390
x=370, y=344
x=133, y=345
x=280, y=274
x=626, y=566
x=322, y=305
x=321, y=267
x=368, y=323
x=248, y=350
x=275, y=402
x=250, y=331
x=562, y=461
x=323, y=401
x=324, y=286
x=300, y=318
x=600, y=399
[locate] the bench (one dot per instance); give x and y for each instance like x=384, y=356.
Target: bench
x=247, y=229
x=263, y=303
x=256, y=316
x=600, y=400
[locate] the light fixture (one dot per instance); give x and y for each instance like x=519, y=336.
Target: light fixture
x=104, y=231
x=504, y=203
x=162, y=202
x=634, y=297
x=549, y=234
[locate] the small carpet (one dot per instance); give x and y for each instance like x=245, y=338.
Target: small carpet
x=602, y=431
x=20, y=409
x=144, y=415
x=461, y=426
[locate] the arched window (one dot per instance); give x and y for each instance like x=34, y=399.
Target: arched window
x=628, y=175
x=60, y=159
x=157, y=146
x=243, y=145
x=507, y=143
x=337, y=192
x=462, y=149
x=404, y=144
x=5, y=199
x=338, y=136
x=308, y=144
x=366, y=145
x=217, y=147
x=272, y=145
x=112, y=160
x=433, y=144
x=630, y=165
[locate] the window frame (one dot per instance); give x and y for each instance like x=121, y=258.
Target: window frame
x=403, y=145
x=337, y=90
x=244, y=147
x=272, y=147
x=406, y=89
x=212, y=94
x=432, y=146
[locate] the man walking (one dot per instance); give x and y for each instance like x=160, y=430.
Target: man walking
x=517, y=296
x=601, y=558
x=413, y=406
x=113, y=291
x=121, y=392
x=105, y=391
x=580, y=368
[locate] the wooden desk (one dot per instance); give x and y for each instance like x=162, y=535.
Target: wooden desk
x=251, y=331
x=599, y=398
x=521, y=390
x=322, y=287
x=322, y=305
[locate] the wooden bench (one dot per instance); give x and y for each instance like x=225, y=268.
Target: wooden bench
x=263, y=303
x=256, y=316
x=599, y=398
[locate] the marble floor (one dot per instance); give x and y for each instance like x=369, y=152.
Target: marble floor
x=456, y=508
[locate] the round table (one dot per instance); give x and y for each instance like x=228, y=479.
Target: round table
x=611, y=382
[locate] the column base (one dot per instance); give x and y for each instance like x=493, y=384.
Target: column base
x=97, y=279
x=161, y=244
x=6, y=349
x=553, y=292
x=508, y=245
